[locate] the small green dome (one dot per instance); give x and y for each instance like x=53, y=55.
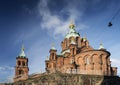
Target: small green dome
x=72, y=32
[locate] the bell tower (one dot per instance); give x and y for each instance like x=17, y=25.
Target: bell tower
x=21, y=68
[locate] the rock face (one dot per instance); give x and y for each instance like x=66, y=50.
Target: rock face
x=69, y=79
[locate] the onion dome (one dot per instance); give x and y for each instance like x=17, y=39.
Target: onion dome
x=53, y=47
x=72, y=32
x=101, y=46
x=22, y=54
x=84, y=38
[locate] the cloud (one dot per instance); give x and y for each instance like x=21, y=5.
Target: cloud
x=56, y=22
x=3, y=68
x=6, y=71
x=51, y=22
x=116, y=63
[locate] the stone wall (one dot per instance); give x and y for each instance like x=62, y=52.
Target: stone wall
x=67, y=79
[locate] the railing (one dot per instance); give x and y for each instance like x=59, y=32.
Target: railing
x=91, y=72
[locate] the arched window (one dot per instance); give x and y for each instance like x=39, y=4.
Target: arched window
x=100, y=59
x=47, y=65
x=19, y=63
x=23, y=63
x=87, y=60
x=21, y=72
x=52, y=56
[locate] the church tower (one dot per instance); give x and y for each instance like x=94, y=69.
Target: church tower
x=51, y=62
x=21, y=68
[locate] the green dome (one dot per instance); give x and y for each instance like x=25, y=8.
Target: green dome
x=72, y=32
x=22, y=54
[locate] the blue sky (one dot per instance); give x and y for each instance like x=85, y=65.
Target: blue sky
x=39, y=23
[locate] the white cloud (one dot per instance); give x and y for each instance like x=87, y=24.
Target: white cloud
x=116, y=63
x=9, y=79
x=3, y=68
x=6, y=71
x=57, y=23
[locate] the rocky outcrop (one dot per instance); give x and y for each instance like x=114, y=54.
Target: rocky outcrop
x=69, y=79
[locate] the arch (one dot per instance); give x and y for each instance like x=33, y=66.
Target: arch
x=91, y=59
x=80, y=60
x=100, y=57
x=19, y=63
x=104, y=58
x=71, y=38
x=23, y=63
x=95, y=57
x=47, y=65
x=52, y=56
x=86, y=59
x=20, y=72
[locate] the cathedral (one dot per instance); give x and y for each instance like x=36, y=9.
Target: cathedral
x=76, y=57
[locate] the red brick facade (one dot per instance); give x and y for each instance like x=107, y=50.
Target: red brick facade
x=77, y=56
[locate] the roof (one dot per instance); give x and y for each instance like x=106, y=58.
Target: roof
x=22, y=54
x=53, y=47
x=72, y=32
x=68, y=51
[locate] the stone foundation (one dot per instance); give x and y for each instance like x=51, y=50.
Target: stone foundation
x=69, y=79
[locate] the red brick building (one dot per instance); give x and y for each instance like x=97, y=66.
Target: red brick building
x=21, y=68
x=77, y=56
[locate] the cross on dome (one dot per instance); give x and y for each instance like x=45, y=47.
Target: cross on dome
x=53, y=46
x=72, y=26
x=72, y=32
x=22, y=54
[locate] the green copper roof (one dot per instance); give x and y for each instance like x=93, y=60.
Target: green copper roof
x=53, y=47
x=22, y=54
x=72, y=32
x=84, y=39
x=101, y=46
x=68, y=50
